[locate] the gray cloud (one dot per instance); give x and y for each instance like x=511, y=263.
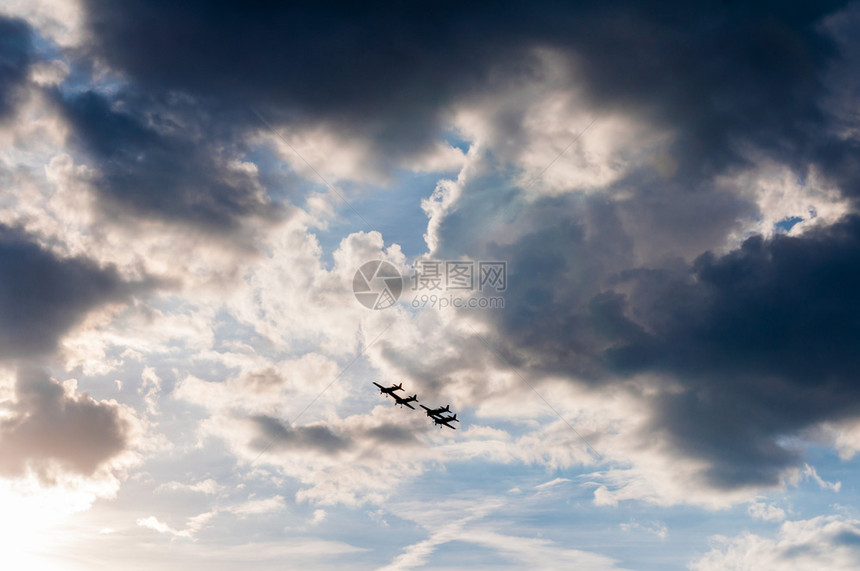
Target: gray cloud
x=48, y=428
x=824, y=542
x=392, y=434
x=165, y=159
x=312, y=437
x=43, y=296
x=760, y=340
x=723, y=77
x=16, y=55
x=320, y=438
x=763, y=341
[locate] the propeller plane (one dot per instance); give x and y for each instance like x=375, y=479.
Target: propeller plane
x=437, y=415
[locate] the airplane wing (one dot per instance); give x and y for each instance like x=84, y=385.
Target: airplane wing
x=378, y=385
x=424, y=407
x=407, y=404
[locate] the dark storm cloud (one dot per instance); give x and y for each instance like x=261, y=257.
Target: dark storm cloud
x=764, y=341
x=164, y=158
x=42, y=296
x=48, y=428
x=16, y=47
x=786, y=307
x=555, y=302
x=383, y=69
x=725, y=77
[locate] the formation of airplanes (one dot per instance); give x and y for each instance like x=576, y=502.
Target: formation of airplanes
x=437, y=415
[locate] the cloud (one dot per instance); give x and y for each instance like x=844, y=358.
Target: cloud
x=196, y=523
x=207, y=486
x=609, y=290
x=319, y=438
x=16, y=56
x=165, y=161
x=256, y=507
x=742, y=77
x=767, y=512
x=154, y=524
x=58, y=20
x=657, y=528
x=824, y=542
x=268, y=388
x=809, y=472
x=472, y=522
x=551, y=483
x=52, y=429
x=392, y=100
x=762, y=341
x=354, y=460
x=743, y=348
x=224, y=555
x=42, y=296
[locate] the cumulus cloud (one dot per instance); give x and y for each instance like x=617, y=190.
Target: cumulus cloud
x=767, y=512
x=58, y=20
x=354, y=460
x=824, y=542
x=699, y=363
x=742, y=348
x=51, y=429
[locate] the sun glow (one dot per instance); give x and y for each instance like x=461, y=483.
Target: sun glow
x=31, y=523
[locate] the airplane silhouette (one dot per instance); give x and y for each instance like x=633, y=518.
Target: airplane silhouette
x=389, y=390
x=437, y=411
x=445, y=420
x=405, y=401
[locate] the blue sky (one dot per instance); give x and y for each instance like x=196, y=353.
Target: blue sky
x=668, y=380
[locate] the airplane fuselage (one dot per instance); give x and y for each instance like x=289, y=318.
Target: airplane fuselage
x=389, y=390
x=405, y=401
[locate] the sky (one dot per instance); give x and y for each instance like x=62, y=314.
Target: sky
x=619, y=240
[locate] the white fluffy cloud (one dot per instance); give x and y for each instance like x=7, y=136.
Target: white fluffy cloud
x=825, y=542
